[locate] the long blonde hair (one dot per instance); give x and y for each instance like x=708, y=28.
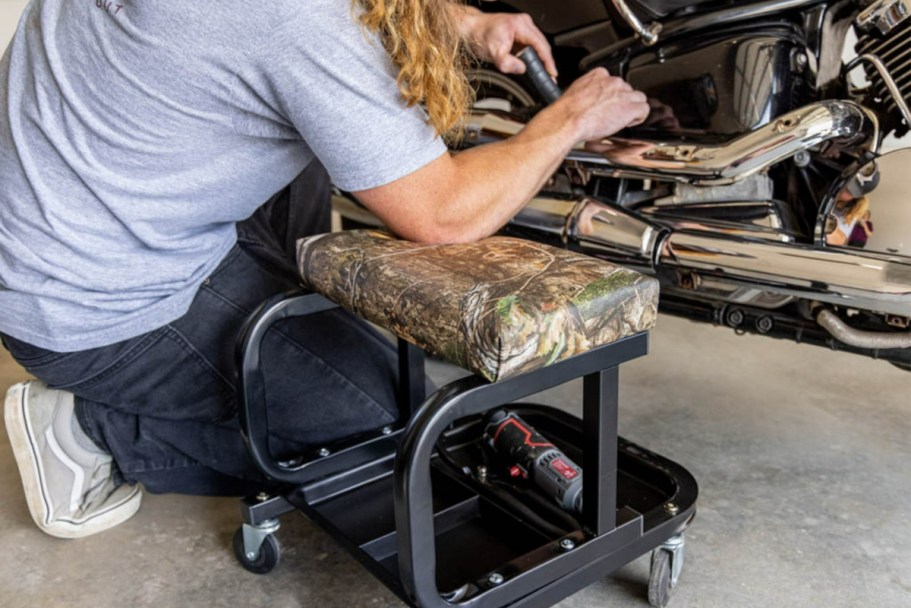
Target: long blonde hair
x=422, y=39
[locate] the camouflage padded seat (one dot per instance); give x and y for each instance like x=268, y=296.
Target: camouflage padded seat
x=499, y=307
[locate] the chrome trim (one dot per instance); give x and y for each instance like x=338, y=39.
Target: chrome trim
x=854, y=279
x=550, y=216
x=647, y=33
x=884, y=16
x=874, y=340
x=611, y=231
x=746, y=155
x=858, y=279
x=726, y=163
x=756, y=219
x=616, y=233
x=869, y=281
x=883, y=223
x=884, y=73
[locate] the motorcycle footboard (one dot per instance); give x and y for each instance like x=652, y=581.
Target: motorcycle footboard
x=483, y=541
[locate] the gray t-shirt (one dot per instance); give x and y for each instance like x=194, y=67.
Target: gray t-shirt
x=135, y=134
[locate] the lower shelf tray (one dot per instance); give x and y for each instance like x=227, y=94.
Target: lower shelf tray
x=479, y=538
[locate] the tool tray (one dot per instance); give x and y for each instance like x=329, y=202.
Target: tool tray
x=477, y=535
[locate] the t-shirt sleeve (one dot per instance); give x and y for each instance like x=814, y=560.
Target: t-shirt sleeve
x=335, y=84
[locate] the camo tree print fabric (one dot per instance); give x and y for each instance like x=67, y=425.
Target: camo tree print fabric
x=499, y=307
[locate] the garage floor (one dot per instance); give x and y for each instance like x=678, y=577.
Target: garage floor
x=803, y=457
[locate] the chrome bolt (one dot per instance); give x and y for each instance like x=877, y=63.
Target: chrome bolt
x=262, y=497
x=324, y=452
x=251, y=556
x=482, y=473
x=802, y=158
x=495, y=579
x=672, y=508
x=387, y=430
x=567, y=544
x=735, y=318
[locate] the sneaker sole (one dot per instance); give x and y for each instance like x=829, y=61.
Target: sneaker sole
x=21, y=439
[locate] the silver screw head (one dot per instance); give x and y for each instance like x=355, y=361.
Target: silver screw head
x=567, y=544
x=324, y=452
x=387, y=430
x=672, y=508
x=251, y=556
x=262, y=497
x=495, y=579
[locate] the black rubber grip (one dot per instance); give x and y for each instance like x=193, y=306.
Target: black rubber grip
x=538, y=76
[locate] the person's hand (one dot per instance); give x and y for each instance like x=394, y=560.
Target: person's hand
x=661, y=116
x=493, y=36
x=599, y=105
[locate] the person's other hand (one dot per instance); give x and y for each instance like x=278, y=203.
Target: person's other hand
x=599, y=105
x=493, y=36
x=662, y=116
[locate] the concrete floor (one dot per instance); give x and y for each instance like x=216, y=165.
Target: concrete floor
x=803, y=457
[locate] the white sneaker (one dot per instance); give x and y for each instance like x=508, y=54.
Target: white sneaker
x=69, y=489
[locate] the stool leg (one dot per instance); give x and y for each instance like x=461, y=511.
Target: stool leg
x=411, y=389
x=414, y=517
x=599, y=489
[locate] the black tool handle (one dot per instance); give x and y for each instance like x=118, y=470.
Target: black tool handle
x=535, y=71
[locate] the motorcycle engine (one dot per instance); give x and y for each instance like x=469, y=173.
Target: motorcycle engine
x=884, y=32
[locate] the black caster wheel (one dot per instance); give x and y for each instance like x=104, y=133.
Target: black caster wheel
x=269, y=554
x=659, y=580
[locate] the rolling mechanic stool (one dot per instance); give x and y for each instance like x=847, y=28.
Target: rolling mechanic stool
x=420, y=503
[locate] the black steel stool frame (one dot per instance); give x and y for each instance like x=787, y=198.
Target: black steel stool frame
x=608, y=541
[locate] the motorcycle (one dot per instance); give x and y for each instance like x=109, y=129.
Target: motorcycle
x=762, y=190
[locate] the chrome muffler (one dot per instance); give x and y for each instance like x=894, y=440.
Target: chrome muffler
x=870, y=281
x=782, y=138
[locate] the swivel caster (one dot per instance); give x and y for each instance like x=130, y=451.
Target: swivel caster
x=256, y=547
x=667, y=563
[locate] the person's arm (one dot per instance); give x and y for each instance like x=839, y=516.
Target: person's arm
x=470, y=195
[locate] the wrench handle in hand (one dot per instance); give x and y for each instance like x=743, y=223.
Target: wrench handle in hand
x=535, y=71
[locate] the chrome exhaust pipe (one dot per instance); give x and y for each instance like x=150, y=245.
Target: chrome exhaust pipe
x=850, y=278
x=608, y=232
x=782, y=138
x=854, y=279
